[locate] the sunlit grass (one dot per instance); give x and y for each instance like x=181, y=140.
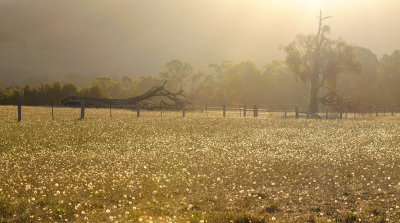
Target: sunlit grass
x=197, y=168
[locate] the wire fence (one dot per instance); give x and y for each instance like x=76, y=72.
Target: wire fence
x=50, y=112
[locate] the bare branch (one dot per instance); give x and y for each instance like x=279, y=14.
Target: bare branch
x=179, y=99
x=327, y=17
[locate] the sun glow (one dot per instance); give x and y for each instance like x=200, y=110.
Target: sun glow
x=311, y=4
x=305, y=4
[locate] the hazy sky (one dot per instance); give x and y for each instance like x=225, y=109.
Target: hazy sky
x=135, y=37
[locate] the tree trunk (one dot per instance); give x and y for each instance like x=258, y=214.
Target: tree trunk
x=314, y=95
x=315, y=84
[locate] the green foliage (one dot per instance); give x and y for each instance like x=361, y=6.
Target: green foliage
x=144, y=83
x=109, y=87
x=354, y=86
x=389, y=77
x=230, y=82
x=332, y=58
x=177, y=74
x=44, y=94
x=244, y=82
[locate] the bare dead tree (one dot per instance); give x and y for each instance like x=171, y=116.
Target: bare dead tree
x=172, y=100
x=339, y=103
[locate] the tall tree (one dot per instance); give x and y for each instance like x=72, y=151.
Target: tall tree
x=239, y=82
x=389, y=78
x=317, y=60
x=177, y=74
x=68, y=90
x=109, y=87
x=354, y=86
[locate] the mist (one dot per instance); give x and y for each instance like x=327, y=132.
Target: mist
x=48, y=39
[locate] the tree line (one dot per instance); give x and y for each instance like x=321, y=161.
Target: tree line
x=314, y=66
x=230, y=82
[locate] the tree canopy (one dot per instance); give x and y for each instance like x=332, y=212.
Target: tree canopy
x=317, y=60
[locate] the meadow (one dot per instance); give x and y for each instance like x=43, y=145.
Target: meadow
x=201, y=168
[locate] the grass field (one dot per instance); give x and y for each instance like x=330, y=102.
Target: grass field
x=197, y=168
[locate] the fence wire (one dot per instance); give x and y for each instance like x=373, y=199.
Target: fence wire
x=39, y=113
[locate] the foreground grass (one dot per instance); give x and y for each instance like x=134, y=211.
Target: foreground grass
x=196, y=169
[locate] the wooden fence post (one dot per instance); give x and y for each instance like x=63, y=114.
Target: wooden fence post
x=244, y=110
x=82, y=109
x=341, y=114
x=308, y=113
x=52, y=110
x=240, y=112
x=376, y=113
x=137, y=109
x=326, y=114
x=392, y=111
x=223, y=110
x=345, y=114
x=19, y=111
x=362, y=112
x=110, y=111
x=183, y=110
x=297, y=112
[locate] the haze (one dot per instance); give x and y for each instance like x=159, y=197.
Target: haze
x=53, y=38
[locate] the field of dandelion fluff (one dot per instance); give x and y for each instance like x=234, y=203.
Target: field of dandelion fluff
x=197, y=168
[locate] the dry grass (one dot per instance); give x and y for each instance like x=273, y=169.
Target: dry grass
x=197, y=168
